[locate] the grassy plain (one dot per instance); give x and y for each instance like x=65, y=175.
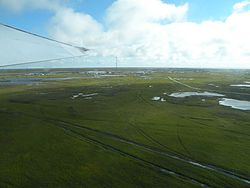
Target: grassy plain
x=120, y=137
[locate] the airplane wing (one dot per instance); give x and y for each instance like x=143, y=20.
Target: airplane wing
x=19, y=47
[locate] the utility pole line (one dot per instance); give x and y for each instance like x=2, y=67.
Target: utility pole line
x=116, y=62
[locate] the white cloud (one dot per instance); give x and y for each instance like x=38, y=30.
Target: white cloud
x=76, y=28
x=20, y=5
x=155, y=33
x=238, y=7
x=123, y=13
x=134, y=28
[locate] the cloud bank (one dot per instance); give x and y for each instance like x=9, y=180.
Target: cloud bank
x=22, y=5
x=153, y=33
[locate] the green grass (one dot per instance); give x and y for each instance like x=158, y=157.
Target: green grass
x=120, y=137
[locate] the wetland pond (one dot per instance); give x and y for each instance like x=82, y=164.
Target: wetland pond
x=30, y=81
x=189, y=94
x=240, y=85
x=236, y=104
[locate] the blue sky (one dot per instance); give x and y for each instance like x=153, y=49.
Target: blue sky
x=200, y=10
x=36, y=20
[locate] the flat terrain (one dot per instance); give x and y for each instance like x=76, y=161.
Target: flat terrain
x=101, y=128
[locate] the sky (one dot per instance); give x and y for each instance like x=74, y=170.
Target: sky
x=155, y=33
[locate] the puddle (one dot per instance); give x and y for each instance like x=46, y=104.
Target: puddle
x=97, y=72
x=158, y=99
x=163, y=100
x=86, y=96
x=112, y=75
x=179, y=79
x=189, y=94
x=240, y=85
x=213, y=85
x=146, y=77
x=140, y=72
x=236, y=104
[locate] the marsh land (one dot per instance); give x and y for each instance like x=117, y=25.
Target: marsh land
x=125, y=128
